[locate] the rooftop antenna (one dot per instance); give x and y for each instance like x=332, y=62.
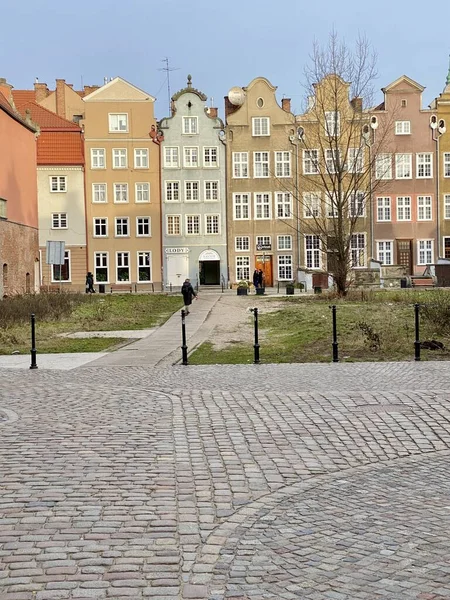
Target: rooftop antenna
x=168, y=69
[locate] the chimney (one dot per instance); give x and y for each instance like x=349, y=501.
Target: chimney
x=6, y=88
x=286, y=104
x=229, y=108
x=88, y=89
x=213, y=112
x=41, y=91
x=61, y=97
x=357, y=104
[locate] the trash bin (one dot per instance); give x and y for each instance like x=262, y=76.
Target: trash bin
x=289, y=290
x=101, y=288
x=403, y=282
x=317, y=290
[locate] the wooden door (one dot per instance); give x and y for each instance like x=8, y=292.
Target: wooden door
x=265, y=264
x=404, y=255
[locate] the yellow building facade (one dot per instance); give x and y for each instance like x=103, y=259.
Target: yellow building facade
x=442, y=137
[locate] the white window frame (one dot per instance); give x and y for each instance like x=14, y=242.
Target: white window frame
x=122, y=221
x=194, y=187
x=67, y=258
x=190, y=125
x=402, y=127
x=194, y=222
x=282, y=163
x=171, y=157
x=241, y=202
x=311, y=162
x=263, y=240
x=103, y=266
x=98, y=155
x=242, y=243
x=190, y=152
x=281, y=242
x=357, y=252
x=426, y=249
x=424, y=165
x=97, y=192
x=313, y=252
x=58, y=184
x=242, y=265
x=312, y=205
x=357, y=204
x=103, y=224
x=141, y=156
x=384, y=209
x=121, y=119
x=123, y=254
x=355, y=160
x=331, y=203
x=123, y=188
x=405, y=205
x=143, y=192
x=260, y=126
x=119, y=158
x=261, y=164
x=285, y=263
x=332, y=123
x=170, y=189
x=211, y=189
x=385, y=248
x=446, y=206
x=332, y=157
x=145, y=221
x=446, y=164
x=211, y=219
x=283, y=205
x=207, y=162
x=60, y=221
x=175, y=219
x=383, y=166
x=143, y=254
x=424, y=208
x=401, y=166
x=263, y=201
x=240, y=165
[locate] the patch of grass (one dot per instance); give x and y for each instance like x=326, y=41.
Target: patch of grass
x=78, y=345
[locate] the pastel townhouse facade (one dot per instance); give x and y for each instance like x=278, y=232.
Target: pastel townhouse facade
x=405, y=207
x=123, y=202
x=261, y=182
x=19, y=243
x=61, y=196
x=193, y=192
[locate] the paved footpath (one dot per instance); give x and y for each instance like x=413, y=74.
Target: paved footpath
x=243, y=482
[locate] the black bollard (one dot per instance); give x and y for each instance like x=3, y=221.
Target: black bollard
x=417, y=341
x=33, y=343
x=256, y=344
x=278, y=287
x=335, y=342
x=183, y=337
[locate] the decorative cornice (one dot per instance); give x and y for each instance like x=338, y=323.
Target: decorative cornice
x=190, y=90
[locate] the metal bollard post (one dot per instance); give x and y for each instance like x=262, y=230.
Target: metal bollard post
x=170, y=287
x=335, y=342
x=33, y=343
x=417, y=324
x=256, y=344
x=183, y=338
x=278, y=287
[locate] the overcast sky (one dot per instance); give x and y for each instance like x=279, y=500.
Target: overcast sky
x=222, y=44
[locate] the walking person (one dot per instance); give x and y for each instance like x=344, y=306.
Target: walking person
x=256, y=278
x=90, y=283
x=260, y=278
x=188, y=293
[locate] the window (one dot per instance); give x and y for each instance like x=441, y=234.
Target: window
x=263, y=206
x=384, y=253
x=58, y=184
x=446, y=206
x=261, y=164
x=192, y=224
x=101, y=227
x=424, y=165
x=142, y=192
x=260, y=126
x=310, y=162
x=190, y=156
x=284, y=242
x=173, y=224
x=120, y=158
x=3, y=208
x=424, y=212
x=210, y=157
x=403, y=166
x=383, y=166
x=141, y=158
x=143, y=227
x=241, y=204
x=241, y=243
x=212, y=224
x=172, y=191
x=101, y=267
x=332, y=156
x=62, y=272
x=59, y=221
x=120, y=193
x=355, y=160
x=285, y=267
x=99, y=193
x=171, y=157
x=284, y=205
x=263, y=242
x=190, y=125
x=191, y=191
x=122, y=229
x=211, y=191
x=358, y=250
x=332, y=205
x=384, y=209
x=332, y=123
x=98, y=158
x=122, y=266
x=312, y=251
x=311, y=204
x=242, y=268
x=283, y=164
x=240, y=165
x=357, y=204
x=446, y=164
x=425, y=252
x=403, y=208
x=447, y=247
x=144, y=262
x=402, y=127
x=118, y=123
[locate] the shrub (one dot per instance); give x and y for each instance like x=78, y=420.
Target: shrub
x=17, y=309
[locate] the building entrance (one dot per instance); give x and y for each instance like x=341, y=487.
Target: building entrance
x=209, y=268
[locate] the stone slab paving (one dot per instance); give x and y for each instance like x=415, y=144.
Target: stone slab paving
x=226, y=482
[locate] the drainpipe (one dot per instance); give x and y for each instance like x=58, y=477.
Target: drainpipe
x=297, y=211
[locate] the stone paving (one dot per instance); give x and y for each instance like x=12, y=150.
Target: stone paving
x=226, y=482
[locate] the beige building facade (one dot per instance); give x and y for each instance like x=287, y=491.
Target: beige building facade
x=123, y=202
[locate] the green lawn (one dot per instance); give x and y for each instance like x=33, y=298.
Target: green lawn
x=301, y=330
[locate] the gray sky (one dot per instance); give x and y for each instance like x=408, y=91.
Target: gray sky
x=86, y=40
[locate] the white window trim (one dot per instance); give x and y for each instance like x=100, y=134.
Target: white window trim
x=418, y=252
x=59, y=220
x=240, y=163
x=313, y=250
x=165, y=191
x=93, y=228
x=255, y=176
x=106, y=193
x=107, y=268
x=205, y=165
x=185, y=117
x=92, y=159
x=403, y=132
x=137, y=267
x=315, y=165
x=187, y=234
x=255, y=203
x=59, y=177
x=424, y=207
x=383, y=220
x=284, y=235
x=218, y=190
x=180, y=222
x=249, y=205
x=365, y=249
x=117, y=267
x=197, y=166
x=236, y=266
x=410, y=209
x=392, y=250
x=144, y=235
x=147, y=183
x=445, y=155
x=336, y=132
x=291, y=212
x=236, y=249
x=279, y=265
x=388, y=174
x=148, y=158
x=417, y=165
x=198, y=191
x=117, y=130
x=254, y=119
x=116, y=235
x=126, y=158
x=70, y=269
x=166, y=166
x=446, y=199
x=282, y=162
x=206, y=223
x=114, y=192
x=410, y=165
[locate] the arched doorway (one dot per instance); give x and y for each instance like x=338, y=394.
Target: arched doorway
x=209, y=267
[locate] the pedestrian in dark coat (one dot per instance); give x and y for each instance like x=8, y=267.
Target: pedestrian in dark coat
x=260, y=279
x=188, y=293
x=90, y=283
x=256, y=278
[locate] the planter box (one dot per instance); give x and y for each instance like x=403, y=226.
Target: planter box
x=242, y=291
x=260, y=291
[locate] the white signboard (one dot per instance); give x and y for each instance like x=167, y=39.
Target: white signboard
x=177, y=250
x=55, y=253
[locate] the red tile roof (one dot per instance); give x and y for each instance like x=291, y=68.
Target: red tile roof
x=60, y=148
x=23, y=96
x=46, y=119
x=6, y=106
